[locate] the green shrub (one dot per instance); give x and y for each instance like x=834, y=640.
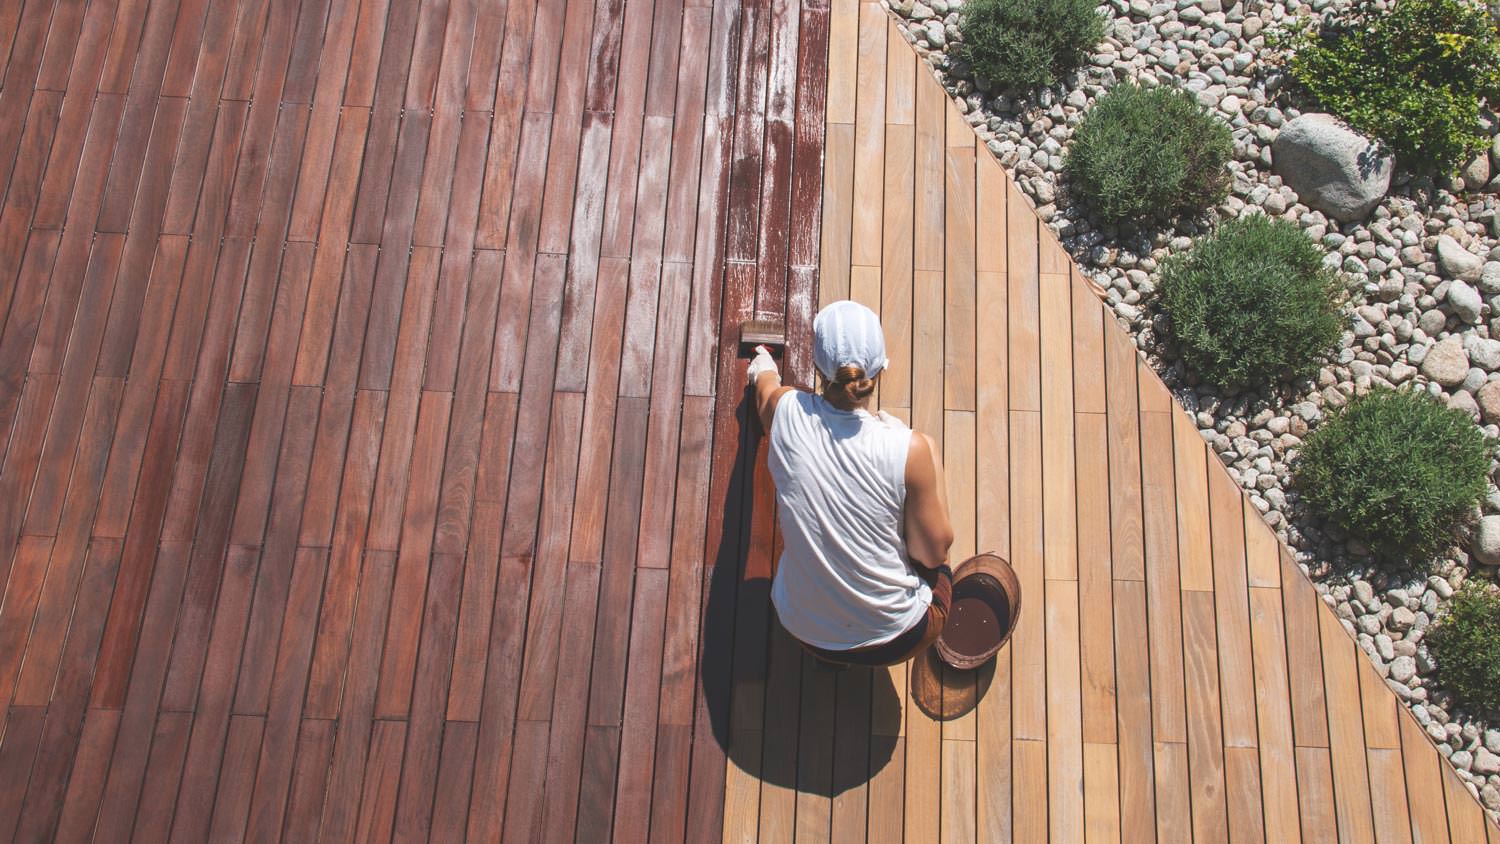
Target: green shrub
x=1465, y=644
x=1023, y=44
x=1252, y=303
x=1148, y=153
x=1413, y=76
x=1396, y=470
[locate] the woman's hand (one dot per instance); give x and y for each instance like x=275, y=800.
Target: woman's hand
x=760, y=364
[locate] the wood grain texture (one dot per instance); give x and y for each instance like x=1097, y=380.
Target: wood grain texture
x=376, y=463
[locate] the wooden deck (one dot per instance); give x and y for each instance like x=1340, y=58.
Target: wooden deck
x=373, y=467
x=1174, y=676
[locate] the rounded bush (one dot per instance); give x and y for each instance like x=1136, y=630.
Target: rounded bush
x=1397, y=470
x=1148, y=153
x=1023, y=44
x=1465, y=644
x=1413, y=76
x=1252, y=303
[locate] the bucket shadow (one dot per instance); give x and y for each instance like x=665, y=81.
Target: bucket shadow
x=943, y=692
x=777, y=713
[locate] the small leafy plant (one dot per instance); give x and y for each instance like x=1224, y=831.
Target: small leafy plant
x=1396, y=470
x=1252, y=303
x=1144, y=154
x=1465, y=644
x=1024, y=44
x=1413, y=76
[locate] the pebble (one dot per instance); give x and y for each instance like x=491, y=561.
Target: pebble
x=1489, y=276
x=1457, y=261
x=1403, y=669
x=1447, y=363
x=1485, y=353
x=1402, y=619
x=1465, y=301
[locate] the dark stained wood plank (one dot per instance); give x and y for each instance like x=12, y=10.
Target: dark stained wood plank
x=137, y=723
x=632, y=798
x=523, y=802
x=455, y=772
x=356, y=706
x=278, y=555
x=670, y=781
x=55, y=607
x=386, y=303
x=599, y=411
x=544, y=623
x=23, y=733
x=425, y=739
x=338, y=611
x=309, y=779
x=332, y=232
x=398, y=665
x=22, y=590
x=90, y=765
x=564, y=753
x=122, y=629
x=378, y=803
x=631, y=77
x=386, y=117
x=508, y=100
x=566, y=105
x=66, y=717
x=281, y=747
x=497, y=725
x=579, y=295
x=402, y=411
x=465, y=435
x=24, y=176
x=206, y=754
x=162, y=775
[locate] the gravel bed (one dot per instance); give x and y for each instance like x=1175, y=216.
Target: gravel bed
x=1424, y=276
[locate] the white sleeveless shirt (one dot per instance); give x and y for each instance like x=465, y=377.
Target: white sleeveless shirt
x=844, y=580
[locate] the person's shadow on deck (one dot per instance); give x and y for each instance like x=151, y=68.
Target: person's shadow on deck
x=780, y=716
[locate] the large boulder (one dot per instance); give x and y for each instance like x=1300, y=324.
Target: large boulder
x=1331, y=167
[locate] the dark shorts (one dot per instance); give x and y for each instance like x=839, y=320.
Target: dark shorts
x=914, y=640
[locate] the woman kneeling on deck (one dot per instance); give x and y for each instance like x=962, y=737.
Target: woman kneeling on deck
x=864, y=577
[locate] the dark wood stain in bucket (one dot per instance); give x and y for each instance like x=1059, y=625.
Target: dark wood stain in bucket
x=979, y=617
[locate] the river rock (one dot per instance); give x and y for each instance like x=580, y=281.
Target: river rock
x=1486, y=544
x=1489, y=277
x=1447, y=363
x=1403, y=668
x=1488, y=398
x=1331, y=167
x=1457, y=261
x=1477, y=172
x=1465, y=301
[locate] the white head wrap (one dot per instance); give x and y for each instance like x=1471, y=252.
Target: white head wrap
x=848, y=334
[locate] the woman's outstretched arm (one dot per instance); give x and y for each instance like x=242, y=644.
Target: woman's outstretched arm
x=929, y=533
